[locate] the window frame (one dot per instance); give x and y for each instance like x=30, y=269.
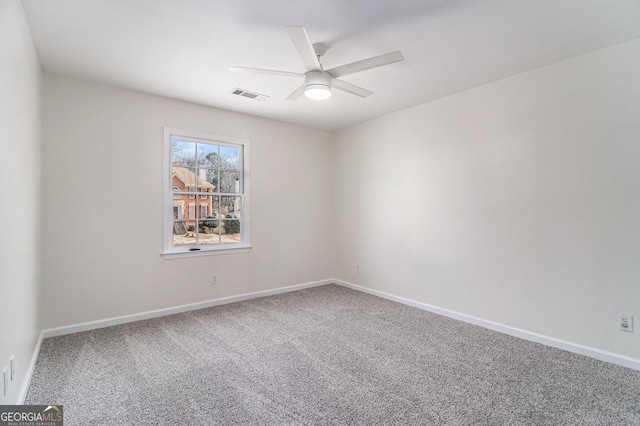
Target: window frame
x=243, y=246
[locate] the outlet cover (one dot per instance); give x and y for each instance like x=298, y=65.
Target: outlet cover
x=12, y=367
x=5, y=381
x=625, y=322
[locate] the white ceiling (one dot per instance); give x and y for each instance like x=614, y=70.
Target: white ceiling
x=183, y=48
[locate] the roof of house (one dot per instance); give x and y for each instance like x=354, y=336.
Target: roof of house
x=187, y=177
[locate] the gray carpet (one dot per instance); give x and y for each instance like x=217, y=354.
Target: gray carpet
x=326, y=355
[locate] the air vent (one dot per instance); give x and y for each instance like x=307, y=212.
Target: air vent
x=250, y=95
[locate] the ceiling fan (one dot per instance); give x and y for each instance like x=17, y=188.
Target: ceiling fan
x=318, y=81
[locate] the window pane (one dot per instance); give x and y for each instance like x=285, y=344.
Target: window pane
x=215, y=206
x=176, y=196
x=230, y=213
x=183, y=233
x=208, y=156
x=178, y=210
x=231, y=229
x=212, y=223
x=209, y=232
x=211, y=228
x=183, y=178
x=230, y=158
x=211, y=178
x=207, y=180
x=230, y=206
x=183, y=153
x=229, y=181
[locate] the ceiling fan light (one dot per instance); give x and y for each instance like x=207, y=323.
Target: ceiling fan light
x=317, y=92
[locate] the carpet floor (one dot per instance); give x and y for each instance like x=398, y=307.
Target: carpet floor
x=325, y=355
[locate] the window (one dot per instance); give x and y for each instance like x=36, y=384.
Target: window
x=215, y=223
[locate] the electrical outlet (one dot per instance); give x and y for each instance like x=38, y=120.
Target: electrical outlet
x=12, y=368
x=625, y=322
x=214, y=279
x=5, y=381
x=358, y=269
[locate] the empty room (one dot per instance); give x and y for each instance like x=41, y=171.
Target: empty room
x=336, y=212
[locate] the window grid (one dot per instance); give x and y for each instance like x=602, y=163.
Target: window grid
x=216, y=168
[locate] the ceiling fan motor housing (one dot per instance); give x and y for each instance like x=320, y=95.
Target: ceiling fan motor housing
x=318, y=82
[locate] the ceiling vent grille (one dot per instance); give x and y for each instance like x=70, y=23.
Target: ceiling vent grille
x=250, y=95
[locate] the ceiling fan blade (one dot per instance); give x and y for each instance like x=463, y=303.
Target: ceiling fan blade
x=296, y=93
x=303, y=45
x=350, y=88
x=266, y=72
x=366, y=64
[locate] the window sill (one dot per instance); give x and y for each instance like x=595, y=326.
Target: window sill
x=200, y=253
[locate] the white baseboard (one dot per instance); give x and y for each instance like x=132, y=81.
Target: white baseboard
x=601, y=355
x=598, y=354
x=92, y=325
x=26, y=382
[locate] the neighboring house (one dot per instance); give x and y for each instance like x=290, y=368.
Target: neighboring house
x=191, y=206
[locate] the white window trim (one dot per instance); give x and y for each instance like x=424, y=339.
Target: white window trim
x=170, y=252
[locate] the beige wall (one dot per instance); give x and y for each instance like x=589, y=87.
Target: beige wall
x=517, y=202
x=19, y=193
x=102, y=205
